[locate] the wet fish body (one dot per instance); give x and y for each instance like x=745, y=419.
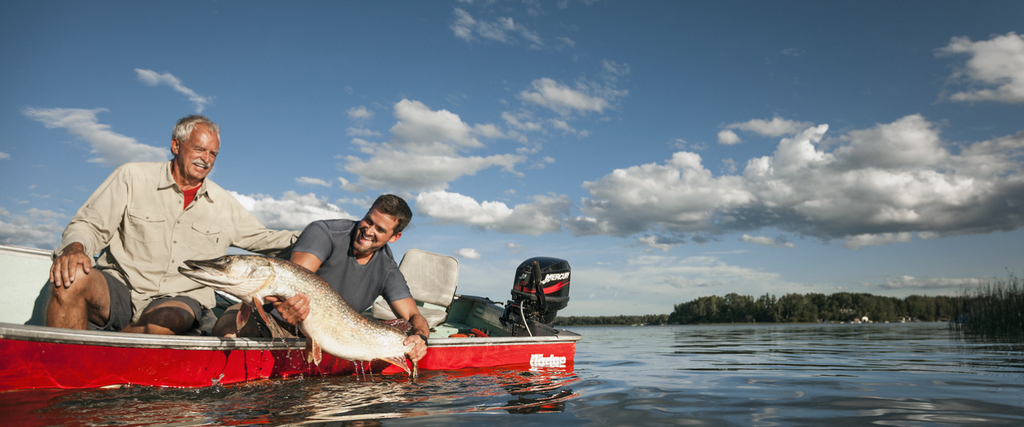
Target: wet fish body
x=332, y=325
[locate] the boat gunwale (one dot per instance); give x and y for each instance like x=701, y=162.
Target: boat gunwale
x=10, y=331
x=24, y=250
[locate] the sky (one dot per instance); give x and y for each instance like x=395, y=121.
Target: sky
x=667, y=150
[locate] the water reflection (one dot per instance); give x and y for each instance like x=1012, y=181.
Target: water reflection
x=328, y=401
x=765, y=375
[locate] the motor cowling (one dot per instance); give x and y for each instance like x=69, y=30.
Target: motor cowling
x=539, y=289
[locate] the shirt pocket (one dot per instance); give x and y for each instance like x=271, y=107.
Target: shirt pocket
x=207, y=239
x=146, y=226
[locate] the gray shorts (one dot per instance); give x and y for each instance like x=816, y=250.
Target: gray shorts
x=122, y=310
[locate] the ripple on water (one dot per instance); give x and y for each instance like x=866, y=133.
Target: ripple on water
x=762, y=375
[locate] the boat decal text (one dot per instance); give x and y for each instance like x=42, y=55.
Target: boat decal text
x=555, y=276
x=539, y=360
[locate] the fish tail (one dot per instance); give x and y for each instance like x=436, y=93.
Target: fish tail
x=399, y=362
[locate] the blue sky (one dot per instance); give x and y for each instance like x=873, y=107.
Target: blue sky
x=668, y=150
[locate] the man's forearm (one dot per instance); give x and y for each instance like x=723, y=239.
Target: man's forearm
x=419, y=325
x=72, y=247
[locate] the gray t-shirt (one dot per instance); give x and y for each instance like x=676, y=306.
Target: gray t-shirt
x=359, y=285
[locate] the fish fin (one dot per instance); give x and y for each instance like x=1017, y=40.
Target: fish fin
x=399, y=362
x=313, y=352
x=243, y=316
x=400, y=324
x=274, y=330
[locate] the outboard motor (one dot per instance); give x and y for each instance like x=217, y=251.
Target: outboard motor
x=540, y=288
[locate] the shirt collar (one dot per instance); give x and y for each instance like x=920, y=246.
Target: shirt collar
x=167, y=181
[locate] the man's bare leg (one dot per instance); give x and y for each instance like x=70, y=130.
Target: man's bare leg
x=164, y=318
x=227, y=324
x=86, y=299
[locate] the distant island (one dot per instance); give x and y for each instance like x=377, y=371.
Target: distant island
x=994, y=308
x=790, y=308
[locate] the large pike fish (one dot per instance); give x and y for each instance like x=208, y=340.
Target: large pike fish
x=332, y=325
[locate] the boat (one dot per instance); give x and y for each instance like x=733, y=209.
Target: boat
x=467, y=332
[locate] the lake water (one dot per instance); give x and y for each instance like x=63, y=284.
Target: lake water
x=913, y=374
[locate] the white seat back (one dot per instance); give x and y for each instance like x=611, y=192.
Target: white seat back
x=432, y=278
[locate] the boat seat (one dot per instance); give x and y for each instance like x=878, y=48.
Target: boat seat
x=432, y=279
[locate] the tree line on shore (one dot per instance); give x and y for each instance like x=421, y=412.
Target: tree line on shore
x=646, y=319
x=811, y=307
x=992, y=310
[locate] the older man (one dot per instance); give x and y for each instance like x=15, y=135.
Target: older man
x=144, y=221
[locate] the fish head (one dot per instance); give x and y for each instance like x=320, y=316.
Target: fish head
x=239, y=275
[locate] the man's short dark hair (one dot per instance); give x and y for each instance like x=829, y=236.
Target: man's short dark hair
x=395, y=207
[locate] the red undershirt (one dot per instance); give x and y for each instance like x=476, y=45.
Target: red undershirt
x=190, y=195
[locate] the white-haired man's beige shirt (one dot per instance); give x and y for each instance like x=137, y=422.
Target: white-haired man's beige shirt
x=136, y=222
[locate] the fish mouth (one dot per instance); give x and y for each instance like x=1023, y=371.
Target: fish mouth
x=204, y=271
x=209, y=266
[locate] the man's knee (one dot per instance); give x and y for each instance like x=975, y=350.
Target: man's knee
x=171, y=317
x=227, y=325
x=85, y=288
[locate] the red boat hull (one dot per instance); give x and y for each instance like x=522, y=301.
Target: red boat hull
x=36, y=357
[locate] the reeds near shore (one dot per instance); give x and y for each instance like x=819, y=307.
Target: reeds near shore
x=992, y=310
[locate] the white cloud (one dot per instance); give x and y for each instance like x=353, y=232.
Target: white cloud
x=312, y=181
x=420, y=129
x=4, y=155
x=348, y=186
x=680, y=195
x=912, y=283
x=908, y=142
x=359, y=113
x=423, y=153
x=292, y=211
x=35, y=228
x=614, y=70
x=862, y=240
x=765, y=240
x=996, y=66
x=563, y=99
x=522, y=122
x=728, y=137
x=153, y=78
x=514, y=248
x=504, y=30
x=876, y=186
x=361, y=132
x=653, y=242
x=562, y=125
x=399, y=170
x=488, y=131
x=776, y=127
x=110, y=148
x=468, y=253
x=543, y=162
x=541, y=216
